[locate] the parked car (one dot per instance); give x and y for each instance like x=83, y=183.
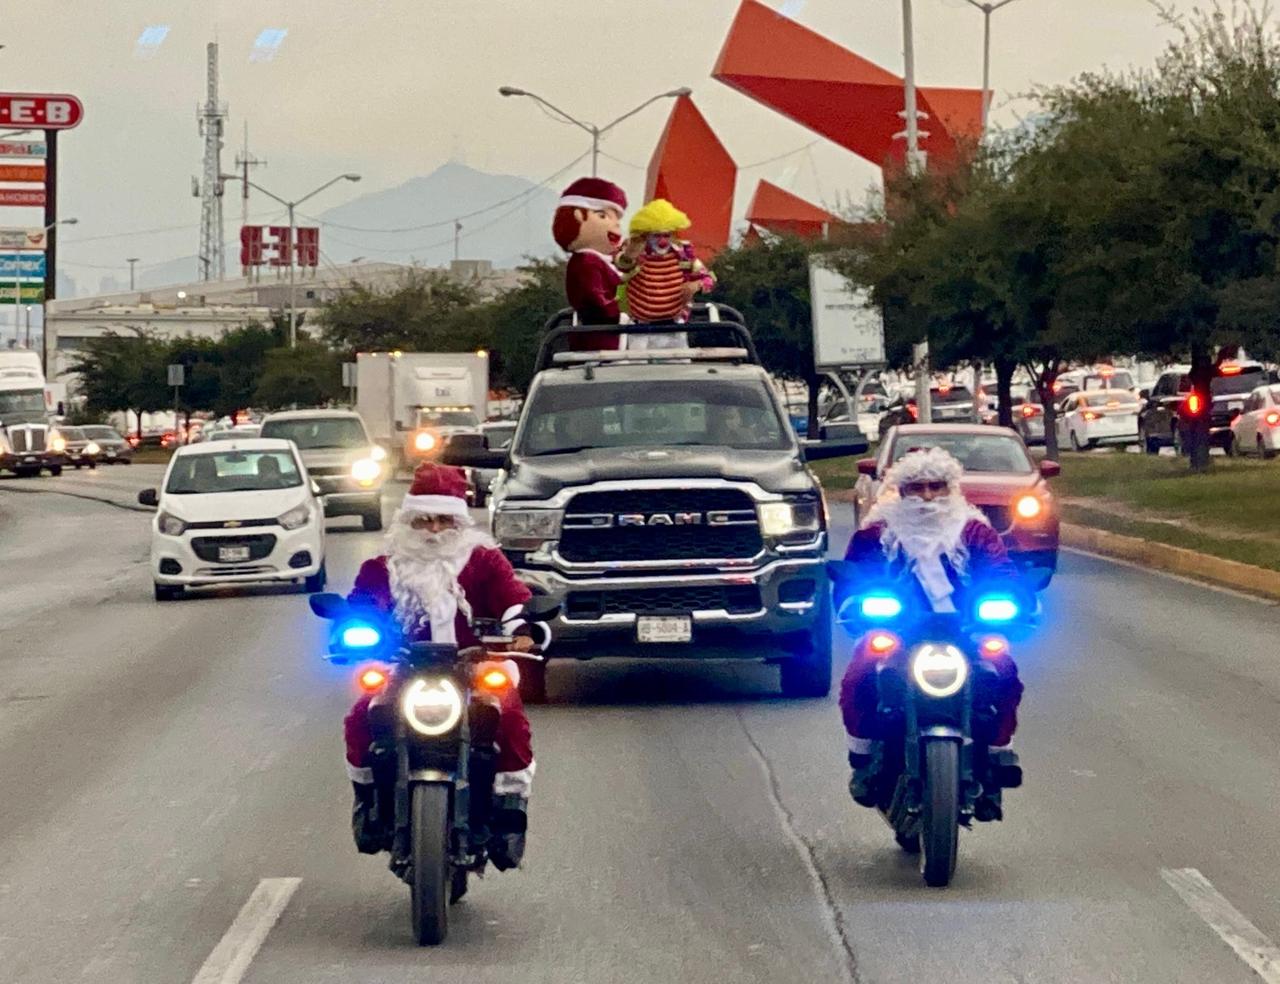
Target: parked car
x=1256, y=429
x=82, y=451
x=1093, y=417
x=497, y=436
x=235, y=512
x=1000, y=478
x=1160, y=421
x=951, y=404
x=1095, y=378
x=115, y=449
x=340, y=456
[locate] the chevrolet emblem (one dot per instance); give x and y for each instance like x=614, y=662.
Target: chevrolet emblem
x=231, y=524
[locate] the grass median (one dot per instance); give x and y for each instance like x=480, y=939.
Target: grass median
x=1232, y=511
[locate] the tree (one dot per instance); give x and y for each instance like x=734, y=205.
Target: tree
x=768, y=281
x=123, y=372
x=309, y=375
x=419, y=312
x=513, y=321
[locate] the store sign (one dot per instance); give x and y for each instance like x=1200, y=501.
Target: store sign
x=25, y=266
x=40, y=110
x=22, y=196
x=31, y=293
x=23, y=148
x=12, y=237
x=273, y=246
x=22, y=172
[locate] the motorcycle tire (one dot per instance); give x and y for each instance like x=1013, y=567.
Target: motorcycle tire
x=432, y=875
x=940, y=820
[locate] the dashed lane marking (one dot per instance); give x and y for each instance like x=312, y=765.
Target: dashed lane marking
x=240, y=944
x=1227, y=921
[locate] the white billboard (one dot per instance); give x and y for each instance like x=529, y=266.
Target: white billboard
x=848, y=330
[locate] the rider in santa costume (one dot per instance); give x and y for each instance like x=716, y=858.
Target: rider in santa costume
x=440, y=571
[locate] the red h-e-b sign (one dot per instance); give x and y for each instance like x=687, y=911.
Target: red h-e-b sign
x=40, y=110
x=272, y=246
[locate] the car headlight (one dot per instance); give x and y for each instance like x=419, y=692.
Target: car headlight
x=1028, y=507
x=57, y=442
x=526, y=529
x=939, y=670
x=378, y=453
x=366, y=471
x=424, y=441
x=170, y=525
x=790, y=520
x=432, y=706
x=296, y=517
x=92, y=448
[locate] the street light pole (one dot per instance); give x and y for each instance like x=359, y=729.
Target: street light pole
x=909, y=75
x=595, y=131
x=131, y=261
x=293, y=246
x=987, y=10
x=44, y=308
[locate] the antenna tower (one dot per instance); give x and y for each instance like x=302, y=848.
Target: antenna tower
x=211, y=118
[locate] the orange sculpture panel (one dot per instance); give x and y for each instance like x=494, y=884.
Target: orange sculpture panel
x=779, y=211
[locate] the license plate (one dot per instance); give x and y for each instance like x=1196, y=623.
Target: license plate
x=664, y=628
x=1235, y=405
x=28, y=461
x=232, y=554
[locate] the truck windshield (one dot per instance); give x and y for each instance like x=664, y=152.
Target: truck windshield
x=566, y=418
x=322, y=432
x=22, y=401
x=447, y=418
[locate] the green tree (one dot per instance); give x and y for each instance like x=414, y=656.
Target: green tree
x=421, y=312
x=120, y=372
x=309, y=375
x=513, y=321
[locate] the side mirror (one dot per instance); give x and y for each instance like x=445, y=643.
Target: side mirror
x=844, y=430
x=328, y=605
x=472, y=451
x=315, y=488
x=1144, y=394
x=149, y=497
x=822, y=450
x=1050, y=469
x=867, y=466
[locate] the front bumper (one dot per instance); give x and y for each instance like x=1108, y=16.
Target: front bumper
x=344, y=496
x=791, y=592
x=10, y=461
x=196, y=571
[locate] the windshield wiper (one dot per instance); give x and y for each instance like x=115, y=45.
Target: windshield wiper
x=569, y=450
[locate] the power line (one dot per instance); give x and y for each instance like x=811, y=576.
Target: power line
x=780, y=157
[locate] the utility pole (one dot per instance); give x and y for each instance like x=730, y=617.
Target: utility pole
x=915, y=161
x=457, y=235
x=987, y=10
x=244, y=161
x=131, y=261
x=210, y=118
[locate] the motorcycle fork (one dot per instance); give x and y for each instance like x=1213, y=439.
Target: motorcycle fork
x=908, y=799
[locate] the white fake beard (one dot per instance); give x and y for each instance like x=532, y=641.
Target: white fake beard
x=423, y=569
x=927, y=532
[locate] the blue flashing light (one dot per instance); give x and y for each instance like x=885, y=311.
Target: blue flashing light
x=360, y=637
x=881, y=606
x=997, y=608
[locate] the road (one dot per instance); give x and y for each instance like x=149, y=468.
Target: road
x=160, y=761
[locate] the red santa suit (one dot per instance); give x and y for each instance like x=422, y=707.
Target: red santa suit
x=431, y=598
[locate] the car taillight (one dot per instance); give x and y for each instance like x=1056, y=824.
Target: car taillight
x=1273, y=419
x=1091, y=415
x=1194, y=405
x=1031, y=410
x=914, y=411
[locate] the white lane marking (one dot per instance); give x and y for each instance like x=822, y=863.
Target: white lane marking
x=1227, y=921
x=1220, y=588
x=241, y=942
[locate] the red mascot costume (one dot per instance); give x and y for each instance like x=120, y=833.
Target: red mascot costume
x=587, y=226
x=438, y=573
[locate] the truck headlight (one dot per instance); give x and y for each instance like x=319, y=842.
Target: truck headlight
x=170, y=525
x=432, y=706
x=57, y=442
x=526, y=529
x=796, y=520
x=424, y=441
x=296, y=517
x=939, y=670
x=366, y=471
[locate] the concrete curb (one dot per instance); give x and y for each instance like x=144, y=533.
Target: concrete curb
x=127, y=506
x=1174, y=560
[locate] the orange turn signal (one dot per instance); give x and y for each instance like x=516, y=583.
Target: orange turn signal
x=993, y=647
x=372, y=680
x=1028, y=507
x=495, y=680
x=882, y=644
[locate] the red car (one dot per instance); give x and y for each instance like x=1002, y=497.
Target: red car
x=1000, y=478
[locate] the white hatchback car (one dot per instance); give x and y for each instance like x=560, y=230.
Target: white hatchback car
x=1256, y=430
x=231, y=512
x=1108, y=416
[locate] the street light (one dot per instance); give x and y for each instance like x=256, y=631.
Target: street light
x=293, y=299
x=131, y=260
x=987, y=10
x=591, y=128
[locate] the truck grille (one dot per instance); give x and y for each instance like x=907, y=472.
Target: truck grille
x=591, y=532
x=260, y=545
x=737, y=599
x=28, y=438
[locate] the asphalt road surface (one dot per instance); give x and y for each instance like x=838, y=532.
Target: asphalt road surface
x=163, y=765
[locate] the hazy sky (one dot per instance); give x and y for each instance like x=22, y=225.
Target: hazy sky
x=394, y=88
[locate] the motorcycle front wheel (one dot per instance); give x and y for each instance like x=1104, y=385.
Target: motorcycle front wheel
x=940, y=820
x=432, y=877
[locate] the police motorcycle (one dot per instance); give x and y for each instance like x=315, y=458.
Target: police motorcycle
x=935, y=688
x=434, y=727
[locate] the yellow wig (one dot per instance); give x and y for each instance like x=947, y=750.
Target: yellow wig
x=657, y=217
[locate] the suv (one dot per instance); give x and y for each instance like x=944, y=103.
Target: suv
x=949, y=405
x=339, y=456
x=1159, y=418
x=661, y=497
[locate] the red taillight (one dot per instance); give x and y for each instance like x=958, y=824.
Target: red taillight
x=372, y=680
x=914, y=411
x=1091, y=415
x=1231, y=370
x=993, y=647
x=1031, y=410
x=1194, y=404
x=1273, y=419
x=882, y=644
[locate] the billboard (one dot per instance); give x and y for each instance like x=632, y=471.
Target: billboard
x=848, y=330
x=274, y=246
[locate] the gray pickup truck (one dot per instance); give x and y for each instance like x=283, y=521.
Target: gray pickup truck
x=661, y=496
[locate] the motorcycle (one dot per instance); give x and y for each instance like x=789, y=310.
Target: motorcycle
x=934, y=686
x=434, y=727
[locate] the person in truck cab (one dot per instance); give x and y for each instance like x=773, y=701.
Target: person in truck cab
x=921, y=528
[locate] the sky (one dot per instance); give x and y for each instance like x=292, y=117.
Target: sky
x=391, y=89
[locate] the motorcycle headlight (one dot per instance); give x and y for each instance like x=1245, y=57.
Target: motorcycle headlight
x=366, y=471
x=92, y=448
x=526, y=529
x=433, y=707
x=939, y=670
x=789, y=520
x=170, y=525
x=296, y=517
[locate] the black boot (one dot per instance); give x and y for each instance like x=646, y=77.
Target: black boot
x=508, y=824
x=366, y=825
x=862, y=784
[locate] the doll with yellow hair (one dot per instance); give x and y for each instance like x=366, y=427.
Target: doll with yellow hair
x=661, y=274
